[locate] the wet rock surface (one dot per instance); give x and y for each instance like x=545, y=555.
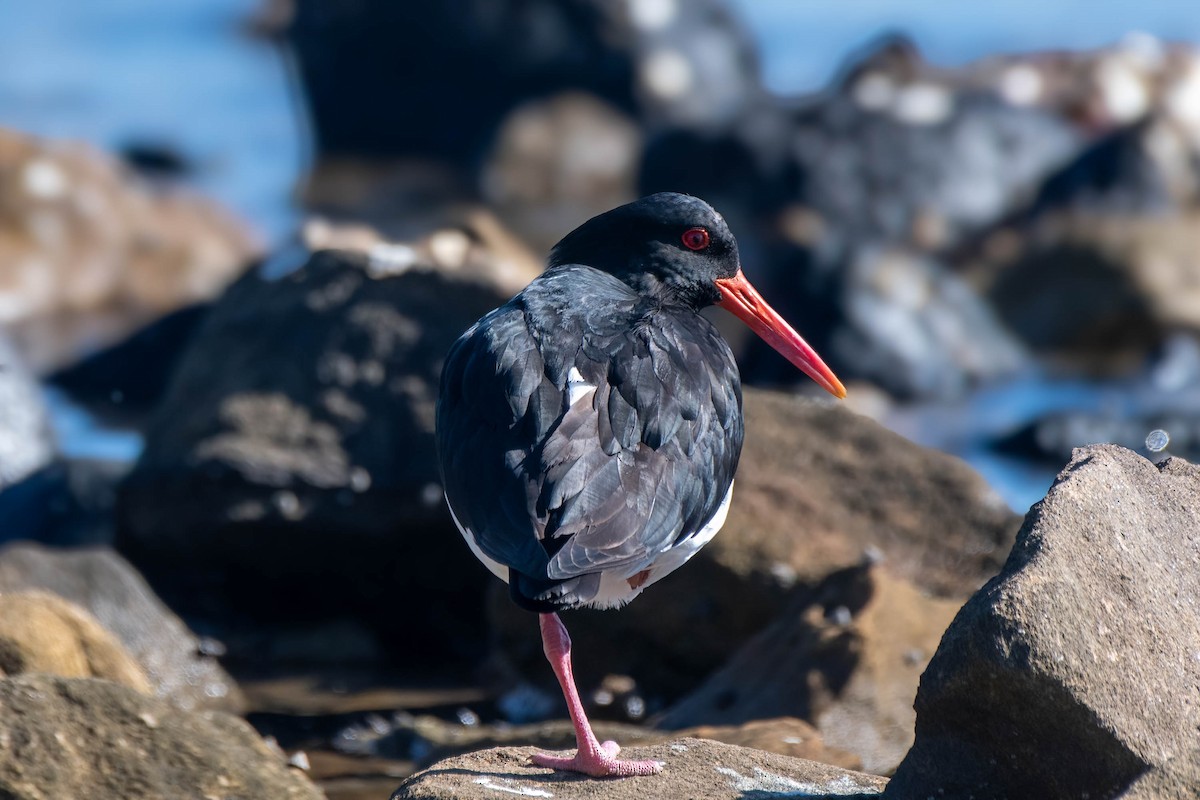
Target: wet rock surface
x=693, y=768
x=78, y=737
x=104, y=584
x=1025, y=698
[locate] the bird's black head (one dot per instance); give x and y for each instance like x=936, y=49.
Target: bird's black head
x=669, y=246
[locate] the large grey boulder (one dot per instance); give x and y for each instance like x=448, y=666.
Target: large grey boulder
x=697, y=769
x=1077, y=668
x=82, y=737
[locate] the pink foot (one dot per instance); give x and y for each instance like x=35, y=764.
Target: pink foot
x=602, y=764
x=592, y=757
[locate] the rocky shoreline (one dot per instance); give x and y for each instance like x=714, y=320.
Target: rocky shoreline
x=270, y=601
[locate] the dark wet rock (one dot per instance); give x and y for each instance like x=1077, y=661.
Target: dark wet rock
x=890, y=316
x=113, y=250
x=292, y=461
x=123, y=383
x=651, y=59
x=846, y=657
x=104, y=584
x=817, y=489
x=1074, y=670
x=68, y=503
x=694, y=768
x=26, y=442
x=78, y=737
x=1121, y=173
x=921, y=162
x=41, y=632
x=156, y=159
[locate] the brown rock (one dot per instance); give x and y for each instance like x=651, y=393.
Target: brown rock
x=847, y=658
x=103, y=583
x=89, y=251
x=817, y=488
x=783, y=735
x=78, y=737
x=560, y=160
x=1178, y=779
x=41, y=632
x=694, y=769
x=1075, y=669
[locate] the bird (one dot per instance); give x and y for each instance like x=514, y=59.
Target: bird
x=589, y=429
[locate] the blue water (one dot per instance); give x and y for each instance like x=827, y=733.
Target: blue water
x=805, y=41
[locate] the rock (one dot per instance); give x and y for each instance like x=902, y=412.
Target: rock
x=89, y=251
x=1075, y=669
x=1096, y=291
x=106, y=586
x=75, y=737
x=1132, y=170
x=817, y=488
x=493, y=56
x=1178, y=779
x=920, y=162
x=786, y=736
x=123, y=383
x=558, y=161
x=694, y=768
x=888, y=315
x=847, y=658
x=293, y=457
x=41, y=632
x=68, y=503
x=26, y=441
x=428, y=739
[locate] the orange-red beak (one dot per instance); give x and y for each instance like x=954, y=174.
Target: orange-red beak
x=743, y=300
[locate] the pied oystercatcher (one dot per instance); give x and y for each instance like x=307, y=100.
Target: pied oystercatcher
x=589, y=429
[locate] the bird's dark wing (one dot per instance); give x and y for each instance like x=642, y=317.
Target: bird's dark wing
x=639, y=461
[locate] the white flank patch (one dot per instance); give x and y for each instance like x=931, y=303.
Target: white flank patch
x=577, y=387
x=523, y=791
x=615, y=591
x=495, y=567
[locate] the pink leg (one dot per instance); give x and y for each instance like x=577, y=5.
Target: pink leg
x=592, y=757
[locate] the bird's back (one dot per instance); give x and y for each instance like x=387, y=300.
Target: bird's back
x=583, y=432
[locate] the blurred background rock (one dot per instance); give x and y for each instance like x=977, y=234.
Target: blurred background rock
x=237, y=236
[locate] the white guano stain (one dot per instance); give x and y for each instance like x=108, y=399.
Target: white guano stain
x=764, y=782
x=523, y=791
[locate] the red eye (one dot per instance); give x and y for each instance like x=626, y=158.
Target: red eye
x=695, y=238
